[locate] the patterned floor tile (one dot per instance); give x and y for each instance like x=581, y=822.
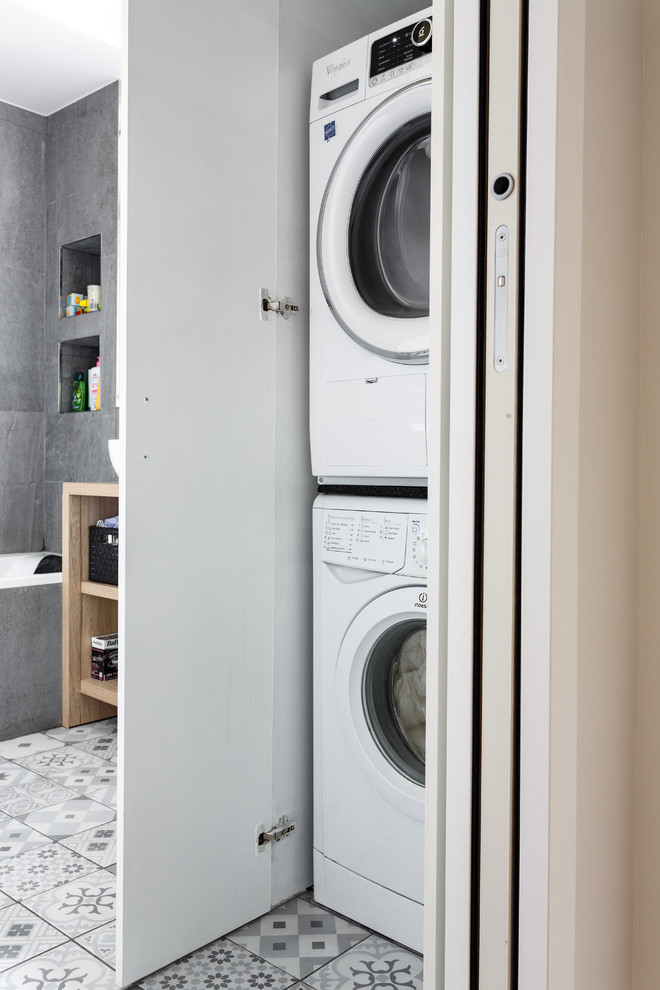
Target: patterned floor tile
x=5, y=900
x=12, y=774
x=32, y=792
x=78, y=732
x=67, y=968
x=98, y=844
x=38, y=742
x=219, y=966
x=61, y=820
x=66, y=759
x=15, y=838
x=24, y=935
x=80, y=906
x=105, y=795
x=299, y=936
x=41, y=868
x=101, y=942
x=87, y=776
x=104, y=746
x=373, y=963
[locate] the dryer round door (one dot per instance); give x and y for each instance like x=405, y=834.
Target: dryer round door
x=373, y=236
x=380, y=693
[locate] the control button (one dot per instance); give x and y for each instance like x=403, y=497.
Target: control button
x=421, y=33
x=415, y=528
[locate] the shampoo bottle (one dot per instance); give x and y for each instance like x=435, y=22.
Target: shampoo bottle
x=94, y=376
x=78, y=392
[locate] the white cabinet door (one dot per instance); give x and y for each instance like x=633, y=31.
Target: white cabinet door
x=198, y=220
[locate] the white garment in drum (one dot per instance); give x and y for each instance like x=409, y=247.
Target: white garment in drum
x=409, y=691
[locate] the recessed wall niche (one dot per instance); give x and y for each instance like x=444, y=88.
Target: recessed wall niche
x=80, y=267
x=76, y=355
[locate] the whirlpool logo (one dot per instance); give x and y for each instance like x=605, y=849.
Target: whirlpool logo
x=337, y=66
x=421, y=600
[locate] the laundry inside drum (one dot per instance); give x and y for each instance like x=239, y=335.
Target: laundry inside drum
x=409, y=691
x=394, y=696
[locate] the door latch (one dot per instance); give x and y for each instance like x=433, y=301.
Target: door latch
x=276, y=832
x=284, y=306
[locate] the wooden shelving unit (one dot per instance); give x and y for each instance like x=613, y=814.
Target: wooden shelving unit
x=88, y=608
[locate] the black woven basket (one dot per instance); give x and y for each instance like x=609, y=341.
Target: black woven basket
x=103, y=554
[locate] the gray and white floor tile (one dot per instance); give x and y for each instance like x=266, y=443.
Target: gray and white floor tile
x=16, y=837
x=299, y=936
x=5, y=900
x=80, y=906
x=23, y=935
x=101, y=942
x=104, y=746
x=86, y=776
x=78, y=732
x=375, y=962
x=37, y=742
x=58, y=763
x=76, y=815
x=222, y=965
x=32, y=792
x=98, y=844
x=68, y=967
x=38, y=869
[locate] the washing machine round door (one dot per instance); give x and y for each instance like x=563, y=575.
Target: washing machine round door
x=380, y=690
x=373, y=236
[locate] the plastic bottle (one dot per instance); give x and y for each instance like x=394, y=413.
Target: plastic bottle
x=78, y=392
x=94, y=375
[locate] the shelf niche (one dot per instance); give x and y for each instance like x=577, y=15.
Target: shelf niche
x=76, y=355
x=80, y=266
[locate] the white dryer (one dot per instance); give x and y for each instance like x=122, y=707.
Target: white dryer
x=370, y=711
x=370, y=178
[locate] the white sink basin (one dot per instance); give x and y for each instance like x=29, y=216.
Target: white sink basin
x=114, y=449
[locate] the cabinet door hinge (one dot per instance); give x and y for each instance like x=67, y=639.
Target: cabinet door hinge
x=284, y=306
x=276, y=832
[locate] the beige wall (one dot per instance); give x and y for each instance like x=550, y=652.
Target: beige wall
x=595, y=494
x=647, y=853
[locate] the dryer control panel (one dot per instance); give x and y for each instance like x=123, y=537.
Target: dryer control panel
x=388, y=542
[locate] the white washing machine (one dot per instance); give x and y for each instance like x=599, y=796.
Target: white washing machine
x=370, y=180
x=370, y=711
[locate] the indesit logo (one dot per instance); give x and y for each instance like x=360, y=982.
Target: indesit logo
x=421, y=600
x=337, y=66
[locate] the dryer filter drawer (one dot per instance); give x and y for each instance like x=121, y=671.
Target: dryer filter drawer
x=376, y=422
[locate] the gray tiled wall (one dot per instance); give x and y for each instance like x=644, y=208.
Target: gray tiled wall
x=81, y=196
x=22, y=229
x=30, y=659
x=59, y=185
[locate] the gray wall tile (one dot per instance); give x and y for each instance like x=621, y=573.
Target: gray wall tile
x=22, y=335
x=21, y=197
x=30, y=659
x=21, y=481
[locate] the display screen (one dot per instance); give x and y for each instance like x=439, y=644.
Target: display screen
x=396, y=49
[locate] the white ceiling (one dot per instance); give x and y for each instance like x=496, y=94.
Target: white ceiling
x=54, y=52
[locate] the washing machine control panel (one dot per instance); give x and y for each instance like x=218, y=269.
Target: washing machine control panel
x=388, y=542
x=396, y=53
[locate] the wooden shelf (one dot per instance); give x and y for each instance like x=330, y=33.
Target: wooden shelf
x=101, y=690
x=88, y=608
x=97, y=590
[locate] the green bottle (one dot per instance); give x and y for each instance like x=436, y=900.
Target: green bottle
x=78, y=392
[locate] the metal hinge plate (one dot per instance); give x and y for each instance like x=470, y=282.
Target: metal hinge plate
x=275, y=832
x=284, y=306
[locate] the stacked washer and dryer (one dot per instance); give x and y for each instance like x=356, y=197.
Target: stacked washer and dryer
x=370, y=129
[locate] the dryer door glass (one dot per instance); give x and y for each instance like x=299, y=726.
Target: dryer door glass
x=394, y=696
x=389, y=229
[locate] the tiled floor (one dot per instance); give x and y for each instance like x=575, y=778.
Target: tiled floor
x=57, y=893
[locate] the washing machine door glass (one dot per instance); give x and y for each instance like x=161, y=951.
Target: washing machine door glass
x=389, y=232
x=373, y=235
x=394, y=696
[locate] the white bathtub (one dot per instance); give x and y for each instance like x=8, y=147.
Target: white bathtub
x=17, y=570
